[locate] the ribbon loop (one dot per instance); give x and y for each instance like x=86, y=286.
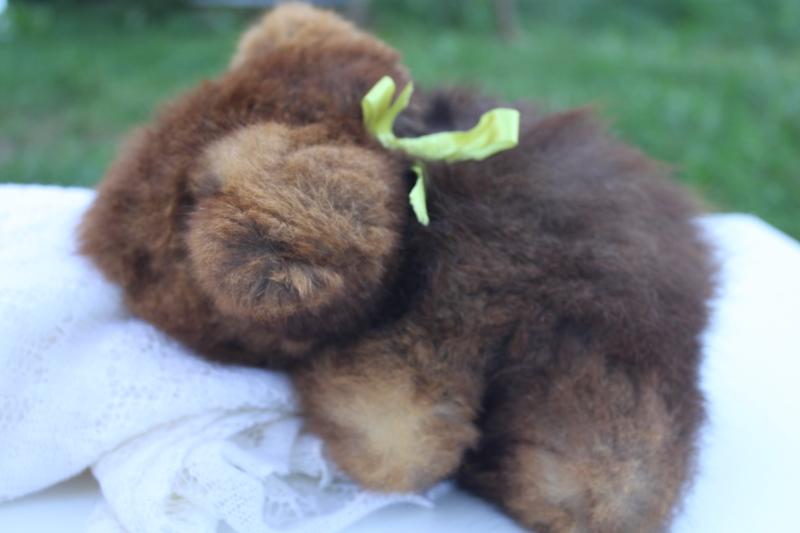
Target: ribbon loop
x=496, y=130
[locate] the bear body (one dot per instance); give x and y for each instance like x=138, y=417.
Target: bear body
x=538, y=339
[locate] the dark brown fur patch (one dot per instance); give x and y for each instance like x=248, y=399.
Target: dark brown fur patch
x=539, y=339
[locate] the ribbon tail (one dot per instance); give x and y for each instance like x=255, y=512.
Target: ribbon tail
x=417, y=197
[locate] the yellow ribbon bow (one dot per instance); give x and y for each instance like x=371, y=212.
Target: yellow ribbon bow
x=496, y=130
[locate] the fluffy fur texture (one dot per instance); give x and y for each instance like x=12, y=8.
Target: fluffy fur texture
x=538, y=340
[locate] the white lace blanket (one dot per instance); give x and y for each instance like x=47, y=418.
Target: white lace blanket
x=177, y=444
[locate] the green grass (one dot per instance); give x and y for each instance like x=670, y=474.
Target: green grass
x=71, y=86
x=726, y=112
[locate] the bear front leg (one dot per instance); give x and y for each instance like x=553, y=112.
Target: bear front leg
x=587, y=449
x=394, y=415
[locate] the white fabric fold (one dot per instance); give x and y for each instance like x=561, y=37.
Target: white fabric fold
x=177, y=444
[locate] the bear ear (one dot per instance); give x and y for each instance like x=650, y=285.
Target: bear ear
x=298, y=25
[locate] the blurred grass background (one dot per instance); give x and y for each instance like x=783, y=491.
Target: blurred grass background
x=712, y=86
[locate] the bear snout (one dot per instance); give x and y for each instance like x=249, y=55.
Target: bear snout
x=294, y=232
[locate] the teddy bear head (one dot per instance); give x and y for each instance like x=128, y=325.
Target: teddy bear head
x=274, y=208
x=257, y=214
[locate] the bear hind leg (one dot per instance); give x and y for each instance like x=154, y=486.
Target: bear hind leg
x=585, y=454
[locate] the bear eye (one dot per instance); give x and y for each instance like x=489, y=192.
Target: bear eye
x=204, y=184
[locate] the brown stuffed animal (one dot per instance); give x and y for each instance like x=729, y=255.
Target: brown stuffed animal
x=538, y=339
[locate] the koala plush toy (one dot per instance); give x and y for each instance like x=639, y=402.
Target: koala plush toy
x=537, y=340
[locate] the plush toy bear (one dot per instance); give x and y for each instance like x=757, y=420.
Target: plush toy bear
x=537, y=339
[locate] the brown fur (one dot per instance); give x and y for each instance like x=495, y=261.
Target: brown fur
x=539, y=339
